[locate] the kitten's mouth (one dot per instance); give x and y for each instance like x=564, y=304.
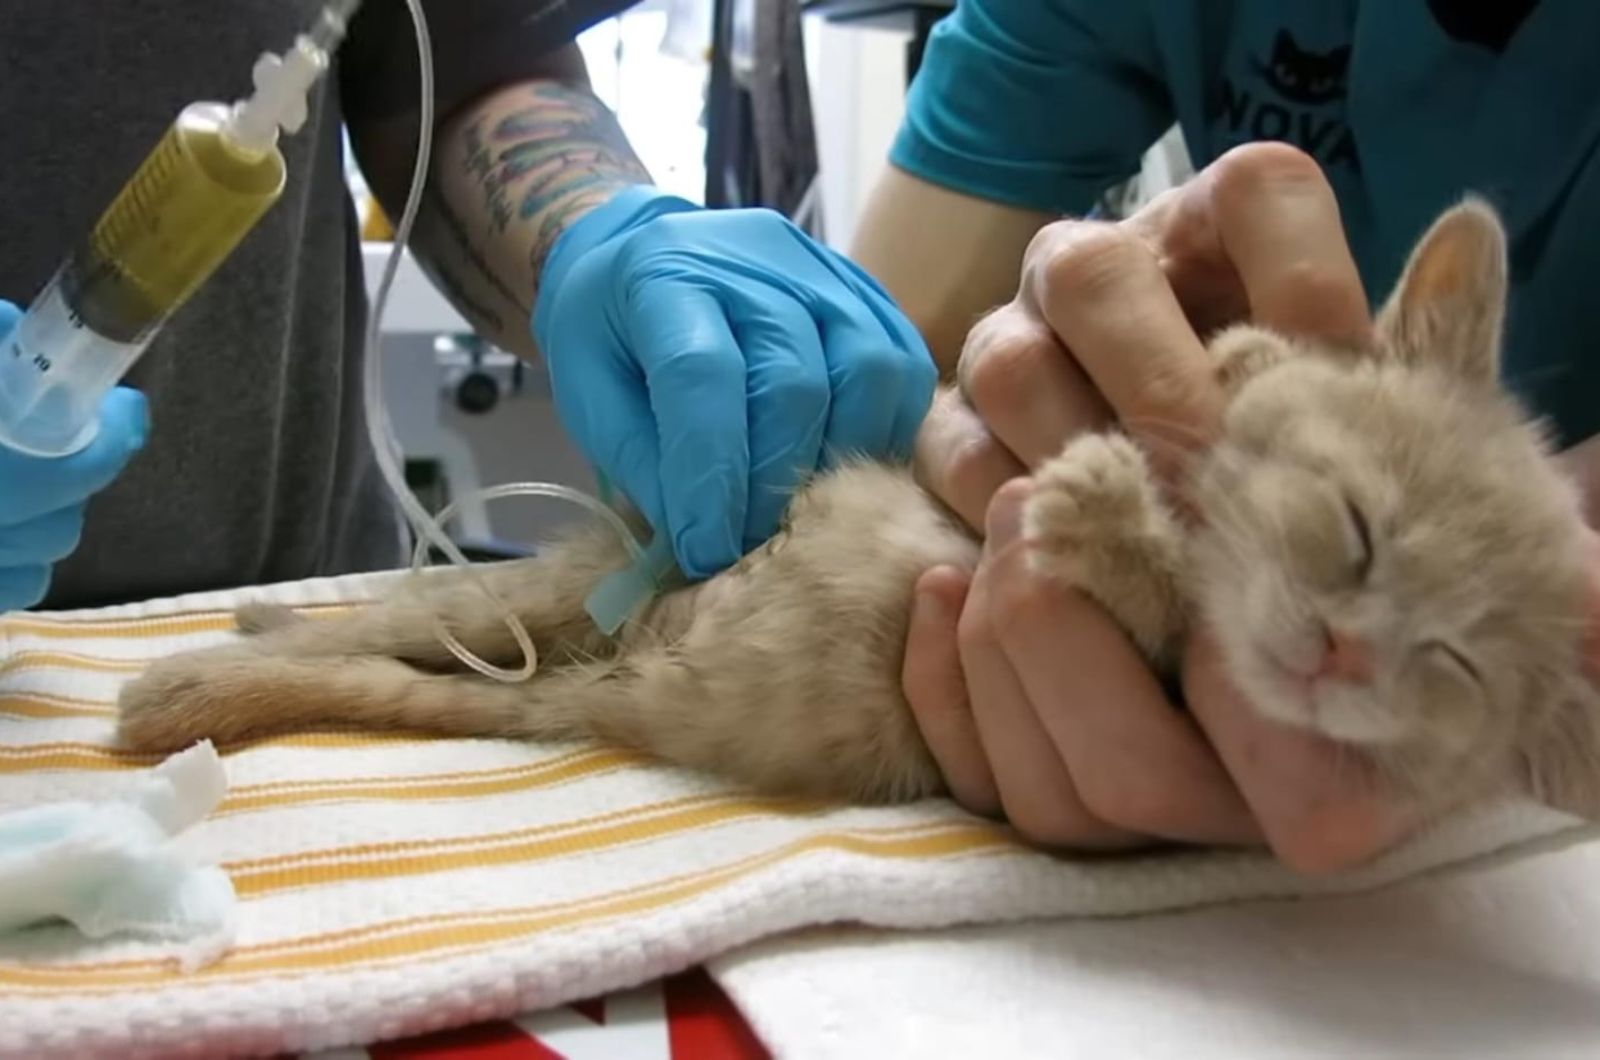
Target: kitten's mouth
x=1284, y=695
x=1328, y=706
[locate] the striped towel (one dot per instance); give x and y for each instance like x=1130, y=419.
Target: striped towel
x=391, y=886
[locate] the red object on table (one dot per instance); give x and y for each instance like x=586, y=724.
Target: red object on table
x=685, y=1017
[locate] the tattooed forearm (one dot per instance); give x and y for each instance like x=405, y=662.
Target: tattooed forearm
x=560, y=154
x=469, y=302
x=481, y=166
x=513, y=172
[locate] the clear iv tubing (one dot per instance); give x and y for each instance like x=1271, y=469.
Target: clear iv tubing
x=428, y=529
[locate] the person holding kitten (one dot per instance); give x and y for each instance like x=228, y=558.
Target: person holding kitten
x=1328, y=136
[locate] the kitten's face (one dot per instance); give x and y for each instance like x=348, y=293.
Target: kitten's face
x=1388, y=556
x=1386, y=562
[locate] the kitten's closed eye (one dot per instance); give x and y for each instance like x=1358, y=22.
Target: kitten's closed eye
x=1361, y=534
x=1453, y=658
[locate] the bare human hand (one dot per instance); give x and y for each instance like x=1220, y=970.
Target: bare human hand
x=1032, y=700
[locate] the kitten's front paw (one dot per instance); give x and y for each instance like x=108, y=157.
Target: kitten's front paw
x=1096, y=494
x=1096, y=522
x=1243, y=352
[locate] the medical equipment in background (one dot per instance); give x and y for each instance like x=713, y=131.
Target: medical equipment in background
x=474, y=367
x=184, y=210
x=761, y=147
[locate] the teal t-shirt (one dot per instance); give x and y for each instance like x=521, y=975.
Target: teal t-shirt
x=1045, y=104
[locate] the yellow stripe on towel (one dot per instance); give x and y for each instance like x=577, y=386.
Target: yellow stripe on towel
x=99, y=757
x=428, y=786
x=50, y=705
x=372, y=861
x=406, y=940
x=17, y=662
x=179, y=624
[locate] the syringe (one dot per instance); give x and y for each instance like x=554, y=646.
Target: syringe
x=208, y=181
x=196, y=195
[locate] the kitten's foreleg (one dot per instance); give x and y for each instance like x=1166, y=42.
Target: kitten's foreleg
x=1096, y=521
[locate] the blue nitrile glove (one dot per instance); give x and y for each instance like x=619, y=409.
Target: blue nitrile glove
x=42, y=499
x=704, y=360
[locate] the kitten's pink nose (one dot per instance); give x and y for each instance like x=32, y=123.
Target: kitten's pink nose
x=1345, y=657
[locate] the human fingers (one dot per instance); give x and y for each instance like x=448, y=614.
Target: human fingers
x=959, y=460
x=31, y=486
x=893, y=376
x=935, y=688
x=1135, y=761
x=22, y=587
x=872, y=380
x=1257, y=235
x=696, y=378
x=1101, y=290
x=788, y=395
x=1035, y=787
x=1026, y=386
x=43, y=539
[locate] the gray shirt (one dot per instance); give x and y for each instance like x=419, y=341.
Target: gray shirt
x=258, y=467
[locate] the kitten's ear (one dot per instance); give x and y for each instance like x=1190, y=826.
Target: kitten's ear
x=1563, y=761
x=1449, y=306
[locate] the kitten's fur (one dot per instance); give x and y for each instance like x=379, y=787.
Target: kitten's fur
x=1396, y=495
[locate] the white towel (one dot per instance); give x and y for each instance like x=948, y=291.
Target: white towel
x=390, y=886
x=1468, y=965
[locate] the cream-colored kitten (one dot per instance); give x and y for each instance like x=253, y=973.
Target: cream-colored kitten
x=1384, y=547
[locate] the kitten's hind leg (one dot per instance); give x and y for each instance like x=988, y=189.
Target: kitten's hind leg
x=235, y=693
x=1096, y=521
x=547, y=593
x=653, y=700
x=255, y=619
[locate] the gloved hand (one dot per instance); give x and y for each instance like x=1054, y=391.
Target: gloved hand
x=42, y=499
x=706, y=360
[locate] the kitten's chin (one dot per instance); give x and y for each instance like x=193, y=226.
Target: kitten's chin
x=1279, y=697
x=1353, y=715
x=1340, y=711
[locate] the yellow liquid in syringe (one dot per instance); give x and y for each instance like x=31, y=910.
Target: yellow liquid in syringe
x=183, y=212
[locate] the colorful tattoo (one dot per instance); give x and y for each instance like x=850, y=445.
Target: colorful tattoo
x=481, y=166
x=537, y=169
x=563, y=153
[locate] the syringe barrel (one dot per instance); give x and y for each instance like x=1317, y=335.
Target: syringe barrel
x=184, y=210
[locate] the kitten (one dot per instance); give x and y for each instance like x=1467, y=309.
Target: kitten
x=1384, y=547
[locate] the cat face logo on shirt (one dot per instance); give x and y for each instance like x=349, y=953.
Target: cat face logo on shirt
x=1302, y=76
x=1296, y=97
